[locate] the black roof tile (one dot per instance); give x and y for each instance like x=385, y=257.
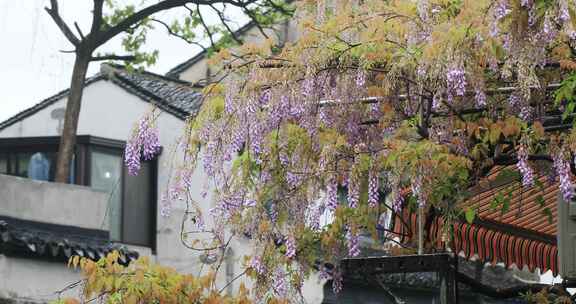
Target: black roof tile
x=56, y=242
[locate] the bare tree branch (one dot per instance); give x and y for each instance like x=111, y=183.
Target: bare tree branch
x=54, y=13
x=280, y=8
x=223, y=20
x=232, y=281
x=253, y=18
x=79, y=30
x=204, y=25
x=171, y=32
x=160, y=6
x=97, y=16
x=113, y=57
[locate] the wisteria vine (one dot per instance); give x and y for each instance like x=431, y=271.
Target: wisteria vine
x=390, y=105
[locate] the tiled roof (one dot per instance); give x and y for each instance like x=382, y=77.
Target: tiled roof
x=522, y=235
x=179, y=98
x=56, y=242
x=174, y=96
x=526, y=206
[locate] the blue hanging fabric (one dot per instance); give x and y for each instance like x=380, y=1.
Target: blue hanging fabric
x=39, y=167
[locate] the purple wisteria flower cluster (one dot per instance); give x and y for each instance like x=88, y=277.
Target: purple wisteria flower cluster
x=290, y=247
x=373, y=189
x=417, y=191
x=456, y=81
x=501, y=9
x=523, y=166
x=332, y=194
x=353, y=191
x=280, y=283
x=313, y=215
x=562, y=168
x=257, y=265
x=360, y=78
x=480, y=97
x=143, y=144
x=353, y=243
x=398, y=201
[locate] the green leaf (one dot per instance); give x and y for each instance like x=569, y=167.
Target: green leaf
x=569, y=110
x=506, y=204
x=470, y=215
x=497, y=201
x=540, y=201
x=548, y=213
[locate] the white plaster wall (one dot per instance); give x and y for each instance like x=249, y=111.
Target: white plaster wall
x=29, y=280
x=56, y=203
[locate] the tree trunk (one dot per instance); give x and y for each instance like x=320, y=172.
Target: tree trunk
x=68, y=137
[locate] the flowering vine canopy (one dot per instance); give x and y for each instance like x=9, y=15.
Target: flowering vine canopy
x=378, y=105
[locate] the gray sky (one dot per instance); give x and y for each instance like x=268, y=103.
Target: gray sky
x=31, y=66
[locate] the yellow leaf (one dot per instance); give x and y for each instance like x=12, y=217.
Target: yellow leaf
x=75, y=260
x=538, y=129
x=131, y=299
x=71, y=301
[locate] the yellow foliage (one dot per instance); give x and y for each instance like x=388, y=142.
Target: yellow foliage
x=143, y=282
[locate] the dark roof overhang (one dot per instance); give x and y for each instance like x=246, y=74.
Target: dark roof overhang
x=53, y=242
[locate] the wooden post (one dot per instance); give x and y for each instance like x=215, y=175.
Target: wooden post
x=449, y=283
x=420, y=230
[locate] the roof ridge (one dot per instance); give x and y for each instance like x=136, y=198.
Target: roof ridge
x=123, y=81
x=146, y=72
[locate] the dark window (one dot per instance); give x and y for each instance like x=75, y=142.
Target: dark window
x=131, y=199
x=138, y=217
x=97, y=163
x=38, y=165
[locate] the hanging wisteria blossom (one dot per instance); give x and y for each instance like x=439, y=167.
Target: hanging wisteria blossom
x=388, y=105
x=143, y=144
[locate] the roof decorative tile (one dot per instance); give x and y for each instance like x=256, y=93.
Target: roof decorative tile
x=56, y=242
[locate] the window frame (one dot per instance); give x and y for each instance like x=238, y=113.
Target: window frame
x=85, y=144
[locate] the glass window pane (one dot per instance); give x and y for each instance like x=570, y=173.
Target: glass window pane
x=105, y=175
x=21, y=161
x=138, y=203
